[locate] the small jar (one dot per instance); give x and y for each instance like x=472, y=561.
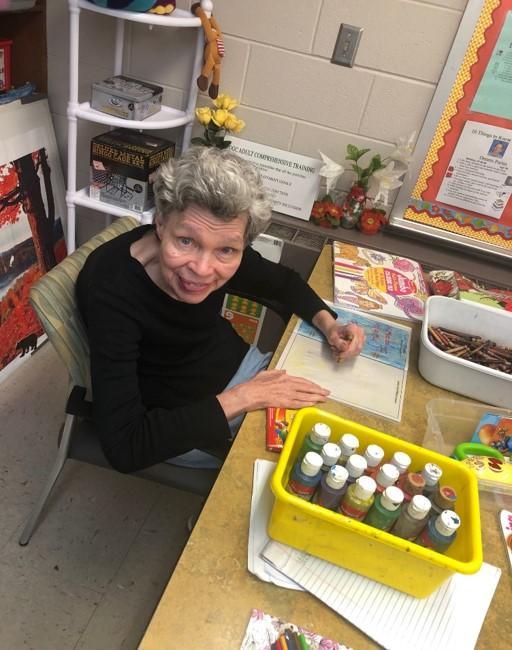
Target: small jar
x=411, y=483
x=356, y=465
x=330, y=454
x=315, y=439
x=348, y=444
x=373, y=455
x=306, y=476
x=401, y=460
x=387, y=475
x=431, y=473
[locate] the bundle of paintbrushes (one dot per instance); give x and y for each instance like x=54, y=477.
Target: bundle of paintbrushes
x=473, y=348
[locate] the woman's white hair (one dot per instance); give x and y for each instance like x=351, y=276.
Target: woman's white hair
x=215, y=179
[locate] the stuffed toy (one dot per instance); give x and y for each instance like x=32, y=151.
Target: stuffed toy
x=213, y=51
x=152, y=6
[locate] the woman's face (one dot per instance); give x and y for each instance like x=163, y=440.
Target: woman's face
x=199, y=252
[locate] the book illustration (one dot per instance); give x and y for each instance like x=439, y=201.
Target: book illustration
x=263, y=630
x=495, y=431
x=246, y=316
x=385, y=342
x=278, y=422
x=378, y=282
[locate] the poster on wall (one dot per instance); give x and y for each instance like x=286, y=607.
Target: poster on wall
x=461, y=182
x=31, y=233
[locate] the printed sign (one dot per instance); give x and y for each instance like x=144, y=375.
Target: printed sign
x=291, y=180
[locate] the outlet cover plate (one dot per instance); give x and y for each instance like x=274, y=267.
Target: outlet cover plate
x=346, y=45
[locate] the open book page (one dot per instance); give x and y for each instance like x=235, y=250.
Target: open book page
x=374, y=381
x=449, y=618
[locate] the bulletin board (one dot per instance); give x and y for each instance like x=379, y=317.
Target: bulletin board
x=460, y=184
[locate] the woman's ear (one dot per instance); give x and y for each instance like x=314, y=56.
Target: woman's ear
x=159, y=227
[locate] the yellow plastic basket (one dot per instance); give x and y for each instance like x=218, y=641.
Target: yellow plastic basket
x=351, y=544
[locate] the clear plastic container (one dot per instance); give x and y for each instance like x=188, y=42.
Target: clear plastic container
x=451, y=421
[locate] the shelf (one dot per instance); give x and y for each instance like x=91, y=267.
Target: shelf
x=166, y=118
x=178, y=18
x=83, y=199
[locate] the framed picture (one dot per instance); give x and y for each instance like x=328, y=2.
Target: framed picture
x=460, y=185
x=32, y=205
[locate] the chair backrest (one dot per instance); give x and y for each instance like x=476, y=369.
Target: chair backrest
x=53, y=299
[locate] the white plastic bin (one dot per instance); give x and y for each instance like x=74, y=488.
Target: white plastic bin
x=459, y=375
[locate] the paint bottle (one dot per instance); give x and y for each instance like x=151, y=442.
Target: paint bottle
x=306, y=476
x=411, y=483
x=444, y=498
x=330, y=454
x=358, y=498
x=332, y=488
x=348, y=444
x=315, y=439
x=440, y=531
x=401, y=460
x=386, y=508
x=387, y=475
x=355, y=465
x=373, y=455
x=431, y=473
x=413, y=518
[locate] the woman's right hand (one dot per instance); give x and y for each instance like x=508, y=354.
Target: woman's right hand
x=271, y=388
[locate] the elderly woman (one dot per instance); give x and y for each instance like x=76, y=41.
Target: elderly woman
x=169, y=374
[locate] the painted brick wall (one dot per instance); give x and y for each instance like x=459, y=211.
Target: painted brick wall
x=278, y=64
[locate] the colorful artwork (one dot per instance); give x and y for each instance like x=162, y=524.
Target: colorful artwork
x=378, y=282
x=31, y=243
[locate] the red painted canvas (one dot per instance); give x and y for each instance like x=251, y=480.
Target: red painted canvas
x=31, y=243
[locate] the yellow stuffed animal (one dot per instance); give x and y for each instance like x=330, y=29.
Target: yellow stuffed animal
x=213, y=51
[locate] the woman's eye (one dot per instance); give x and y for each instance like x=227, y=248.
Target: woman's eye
x=185, y=241
x=227, y=250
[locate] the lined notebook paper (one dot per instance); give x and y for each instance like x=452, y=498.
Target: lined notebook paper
x=450, y=618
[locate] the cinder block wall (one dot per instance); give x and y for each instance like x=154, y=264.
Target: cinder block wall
x=278, y=64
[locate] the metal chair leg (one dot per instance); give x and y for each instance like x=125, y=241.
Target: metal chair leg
x=62, y=455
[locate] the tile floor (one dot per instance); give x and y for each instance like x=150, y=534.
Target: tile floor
x=95, y=568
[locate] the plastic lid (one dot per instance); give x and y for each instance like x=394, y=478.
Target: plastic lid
x=320, y=433
x=365, y=486
x=445, y=497
x=373, y=454
x=311, y=463
x=419, y=506
x=447, y=523
x=387, y=475
x=356, y=465
x=348, y=443
x=401, y=460
x=414, y=483
x=330, y=453
x=392, y=498
x=336, y=477
x=431, y=473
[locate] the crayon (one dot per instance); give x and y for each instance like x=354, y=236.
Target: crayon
x=284, y=644
x=303, y=642
x=290, y=640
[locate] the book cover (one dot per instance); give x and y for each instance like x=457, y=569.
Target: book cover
x=278, y=424
x=377, y=282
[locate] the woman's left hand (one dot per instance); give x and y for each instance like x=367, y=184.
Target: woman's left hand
x=345, y=340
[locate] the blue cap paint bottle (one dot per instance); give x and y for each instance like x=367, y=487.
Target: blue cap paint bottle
x=386, y=508
x=332, y=487
x=306, y=476
x=440, y=531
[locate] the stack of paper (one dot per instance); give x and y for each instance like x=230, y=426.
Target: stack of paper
x=450, y=618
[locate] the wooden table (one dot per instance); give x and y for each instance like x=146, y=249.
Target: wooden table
x=208, y=600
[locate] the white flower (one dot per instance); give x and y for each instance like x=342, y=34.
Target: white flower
x=403, y=151
x=388, y=179
x=330, y=170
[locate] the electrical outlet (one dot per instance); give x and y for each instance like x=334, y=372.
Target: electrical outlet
x=346, y=45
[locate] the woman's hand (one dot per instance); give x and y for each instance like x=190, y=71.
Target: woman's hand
x=345, y=340
x=271, y=388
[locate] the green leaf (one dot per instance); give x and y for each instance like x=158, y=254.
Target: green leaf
x=225, y=144
x=198, y=141
x=352, y=152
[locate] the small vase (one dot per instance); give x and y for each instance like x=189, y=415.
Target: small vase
x=353, y=206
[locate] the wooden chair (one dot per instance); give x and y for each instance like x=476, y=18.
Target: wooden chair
x=53, y=298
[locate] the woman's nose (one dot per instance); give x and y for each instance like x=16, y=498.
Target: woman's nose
x=201, y=264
